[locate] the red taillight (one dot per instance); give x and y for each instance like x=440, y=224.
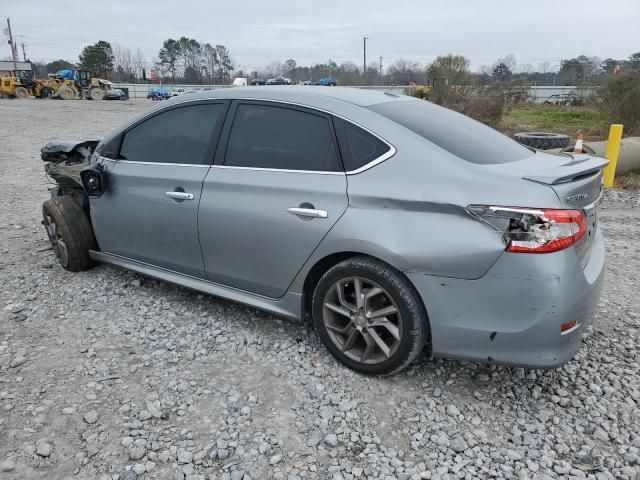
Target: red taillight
x=530, y=230
x=565, y=327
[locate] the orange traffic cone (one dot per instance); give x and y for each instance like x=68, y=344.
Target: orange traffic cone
x=579, y=141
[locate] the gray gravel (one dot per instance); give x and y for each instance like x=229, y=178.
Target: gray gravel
x=109, y=375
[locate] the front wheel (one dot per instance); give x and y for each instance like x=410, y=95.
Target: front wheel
x=69, y=232
x=369, y=317
x=66, y=93
x=21, y=92
x=96, y=93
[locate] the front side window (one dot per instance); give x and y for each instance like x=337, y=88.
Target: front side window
x=266, y=136
x=181, y=135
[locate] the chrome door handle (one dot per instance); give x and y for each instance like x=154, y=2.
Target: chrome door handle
x=179, y=195
x=308, y=212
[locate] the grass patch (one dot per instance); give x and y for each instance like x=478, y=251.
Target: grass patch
x=548, y=118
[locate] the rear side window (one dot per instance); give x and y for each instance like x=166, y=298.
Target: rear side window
x=181, y=135
x=357, y=146
x=266, y=136
x=460, y=135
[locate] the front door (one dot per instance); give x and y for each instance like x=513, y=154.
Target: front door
x=278, y=191
x=149, y=211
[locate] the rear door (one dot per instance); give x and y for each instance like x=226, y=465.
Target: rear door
x=275, y=191
x=154, y=177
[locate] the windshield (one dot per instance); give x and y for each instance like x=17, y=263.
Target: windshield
x=456, y=133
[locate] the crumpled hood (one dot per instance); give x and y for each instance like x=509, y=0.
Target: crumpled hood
x=65, y=146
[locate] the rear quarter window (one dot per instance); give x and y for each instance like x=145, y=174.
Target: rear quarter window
x=357, y=146
x=456, y=133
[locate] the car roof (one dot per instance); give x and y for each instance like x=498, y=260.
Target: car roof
x=313, y=96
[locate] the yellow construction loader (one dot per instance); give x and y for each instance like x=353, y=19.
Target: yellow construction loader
x=20, y=84
x=65, y=84
x=75, y=84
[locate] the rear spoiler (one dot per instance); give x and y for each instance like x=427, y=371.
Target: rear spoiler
x=577, y=165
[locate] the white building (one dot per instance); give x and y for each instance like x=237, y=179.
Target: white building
x=7, y=68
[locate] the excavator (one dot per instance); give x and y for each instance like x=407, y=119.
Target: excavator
x=64, y=84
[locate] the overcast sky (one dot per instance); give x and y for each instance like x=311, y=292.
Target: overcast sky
x=260, y=31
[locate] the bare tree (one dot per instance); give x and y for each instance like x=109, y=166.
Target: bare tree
x=509, y=60
x=123, y=63
x=273, y=69
x=543, y=67
x=210, y=55
x=138, y=63
x=526, y=68
x=402, y=71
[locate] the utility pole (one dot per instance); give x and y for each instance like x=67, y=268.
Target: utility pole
x=13, y=47
x=380, y=58
x=364, y=61
x=24, y=55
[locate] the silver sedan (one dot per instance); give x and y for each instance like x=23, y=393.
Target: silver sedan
x=391, y=223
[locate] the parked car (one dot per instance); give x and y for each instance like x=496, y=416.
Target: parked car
x=239, y=82
x=279, y=80
x=116, y=94
x=564, y=99
x=389, y=221
x=327, y=82
x=196, y=90
x=177, y=92
x=257, y=81
x=159, y=93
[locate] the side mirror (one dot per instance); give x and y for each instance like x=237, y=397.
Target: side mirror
x=94, y=180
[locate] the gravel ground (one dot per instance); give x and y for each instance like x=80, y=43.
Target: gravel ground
x=106, y=374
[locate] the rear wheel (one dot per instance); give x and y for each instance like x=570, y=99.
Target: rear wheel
x=369, y=317
x=21, y=92
x=69, y=232
x=96, y=93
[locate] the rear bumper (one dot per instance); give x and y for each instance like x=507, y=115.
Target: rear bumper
x=512, y=315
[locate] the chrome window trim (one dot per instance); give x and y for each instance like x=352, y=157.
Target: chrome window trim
x=155, y=163
x=284, y=170
x=392, y=150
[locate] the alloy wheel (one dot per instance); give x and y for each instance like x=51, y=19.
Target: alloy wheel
x=362, y=320
x=56, y=240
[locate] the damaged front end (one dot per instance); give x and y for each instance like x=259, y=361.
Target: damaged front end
x=66, y=159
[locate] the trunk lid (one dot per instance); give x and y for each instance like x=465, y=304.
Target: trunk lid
x=576, y=178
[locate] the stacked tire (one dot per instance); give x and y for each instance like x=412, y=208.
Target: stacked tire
x=542, y=140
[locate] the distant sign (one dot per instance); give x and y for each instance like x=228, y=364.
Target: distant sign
x=617, y=70
x=153, y=74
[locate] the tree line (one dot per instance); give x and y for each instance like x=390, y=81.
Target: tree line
x=185, y=60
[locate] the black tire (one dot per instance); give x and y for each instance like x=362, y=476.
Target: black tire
x=21, y=92
x=542, y=140
x=73, y=228
x=46, y=92
x=415, y=325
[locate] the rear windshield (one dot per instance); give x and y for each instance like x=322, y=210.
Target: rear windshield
x=460, y=135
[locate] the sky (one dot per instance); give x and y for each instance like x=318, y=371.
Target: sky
x=258, y=32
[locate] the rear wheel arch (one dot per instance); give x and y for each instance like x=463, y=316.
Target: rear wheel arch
x=324, y=264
